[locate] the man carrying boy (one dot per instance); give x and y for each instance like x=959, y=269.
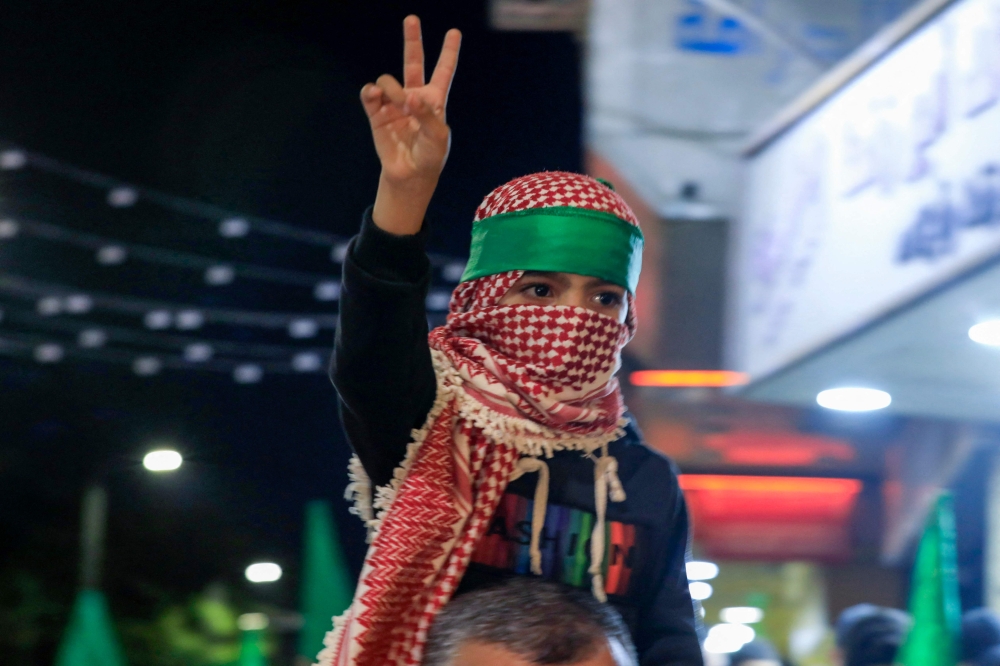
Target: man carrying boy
x=498, y=444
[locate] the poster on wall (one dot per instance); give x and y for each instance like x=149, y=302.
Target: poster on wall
x=888, y=188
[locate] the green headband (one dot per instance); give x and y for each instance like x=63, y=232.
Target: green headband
x=561, y=239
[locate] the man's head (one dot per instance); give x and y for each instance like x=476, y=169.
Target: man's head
x=980, y=632
x=527, y=622
x=869, y=635
x=756, y=653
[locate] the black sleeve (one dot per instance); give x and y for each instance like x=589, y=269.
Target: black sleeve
x=668, y=631
x=381, y=365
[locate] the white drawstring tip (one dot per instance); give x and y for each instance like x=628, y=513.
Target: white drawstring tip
x=536, y=563
x=598, y=587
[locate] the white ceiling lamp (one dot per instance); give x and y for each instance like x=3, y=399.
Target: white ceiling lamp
x=698, y=570
x=112, y=255
x=162, y=460
x=727, y=638
x=198, y=352
x=247, y=373
x=986, y=333
x=188, y=320
x=49, y=353
x=307, y=362
x=741, y=615
x=122, y=197
x=234, y=227
x=219, y=275
x=8, y=229
x=853, y=399
x=700, y=590
x=91, y=338
x=147, y=366
x=263, y=572
x=327, y=291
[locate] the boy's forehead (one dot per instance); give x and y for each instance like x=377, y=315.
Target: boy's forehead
x=567, y=278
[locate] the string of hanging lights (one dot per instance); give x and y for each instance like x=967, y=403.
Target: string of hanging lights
x=52, y=321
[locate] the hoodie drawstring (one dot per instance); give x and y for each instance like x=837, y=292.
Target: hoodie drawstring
x=605, y=480
x=529, y=466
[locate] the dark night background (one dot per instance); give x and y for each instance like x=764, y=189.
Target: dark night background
x=252, y=106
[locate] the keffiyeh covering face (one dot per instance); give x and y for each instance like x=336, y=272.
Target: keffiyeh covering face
x=515, y=384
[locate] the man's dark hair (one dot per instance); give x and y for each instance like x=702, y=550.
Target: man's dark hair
x=540, y=621
x=870, y=635
x=980, y=632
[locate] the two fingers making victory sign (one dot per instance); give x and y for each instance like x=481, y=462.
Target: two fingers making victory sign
x=408, y=121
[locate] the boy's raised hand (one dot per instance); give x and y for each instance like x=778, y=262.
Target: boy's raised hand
x=411, y=134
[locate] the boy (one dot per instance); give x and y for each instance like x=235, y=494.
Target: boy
x=498, y=444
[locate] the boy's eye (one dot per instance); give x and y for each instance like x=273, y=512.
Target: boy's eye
x=538, y=290
x=609, y=299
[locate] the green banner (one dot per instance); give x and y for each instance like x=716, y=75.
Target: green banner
x=934, y=603
x=327, y=585
x=90, y=638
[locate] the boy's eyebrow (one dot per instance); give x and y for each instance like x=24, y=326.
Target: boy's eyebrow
x=552, y=275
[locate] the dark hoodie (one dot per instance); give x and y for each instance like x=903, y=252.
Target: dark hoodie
x=382, y=370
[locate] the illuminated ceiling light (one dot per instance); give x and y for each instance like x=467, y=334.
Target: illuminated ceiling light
x=91, y=338
x=147, y=366
x=307, y=362
x=986, y=333
x=437, y=301
x=49, y=306
x=122, y=197
x=188, y=320
x=327, y=291
x=158, y=320
x=12, y=159
x=453, y=271
x=112, y=255
x=247, y=373
x=741, y=615
x=219, y=274
x=162, y=460
x=8, y=229
x=252, y=621
x=701, y=570
x=198, y=352
x=234, y=227
x=339, y=252
x=79, y=304
x=688, y=378
x=853, y=399
x=726, y=638
x=303, y=328
x=49, y=353
x=263, y=572
x=700, y=590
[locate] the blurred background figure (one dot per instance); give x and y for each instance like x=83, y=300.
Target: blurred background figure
x=868, y=635
x=980, y=634
x=757, y=652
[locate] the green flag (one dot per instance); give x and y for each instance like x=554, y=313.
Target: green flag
x=934, y=606
x=327, y=586
x=90, y=637
x=252, y=649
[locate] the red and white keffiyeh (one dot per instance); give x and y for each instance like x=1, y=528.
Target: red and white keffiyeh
x=515, y=384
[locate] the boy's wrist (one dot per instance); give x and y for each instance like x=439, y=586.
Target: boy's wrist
x=400, y=206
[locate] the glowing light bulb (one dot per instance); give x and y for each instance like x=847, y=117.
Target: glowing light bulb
x=853, y=399
x=263, y=572
x=162, y=460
